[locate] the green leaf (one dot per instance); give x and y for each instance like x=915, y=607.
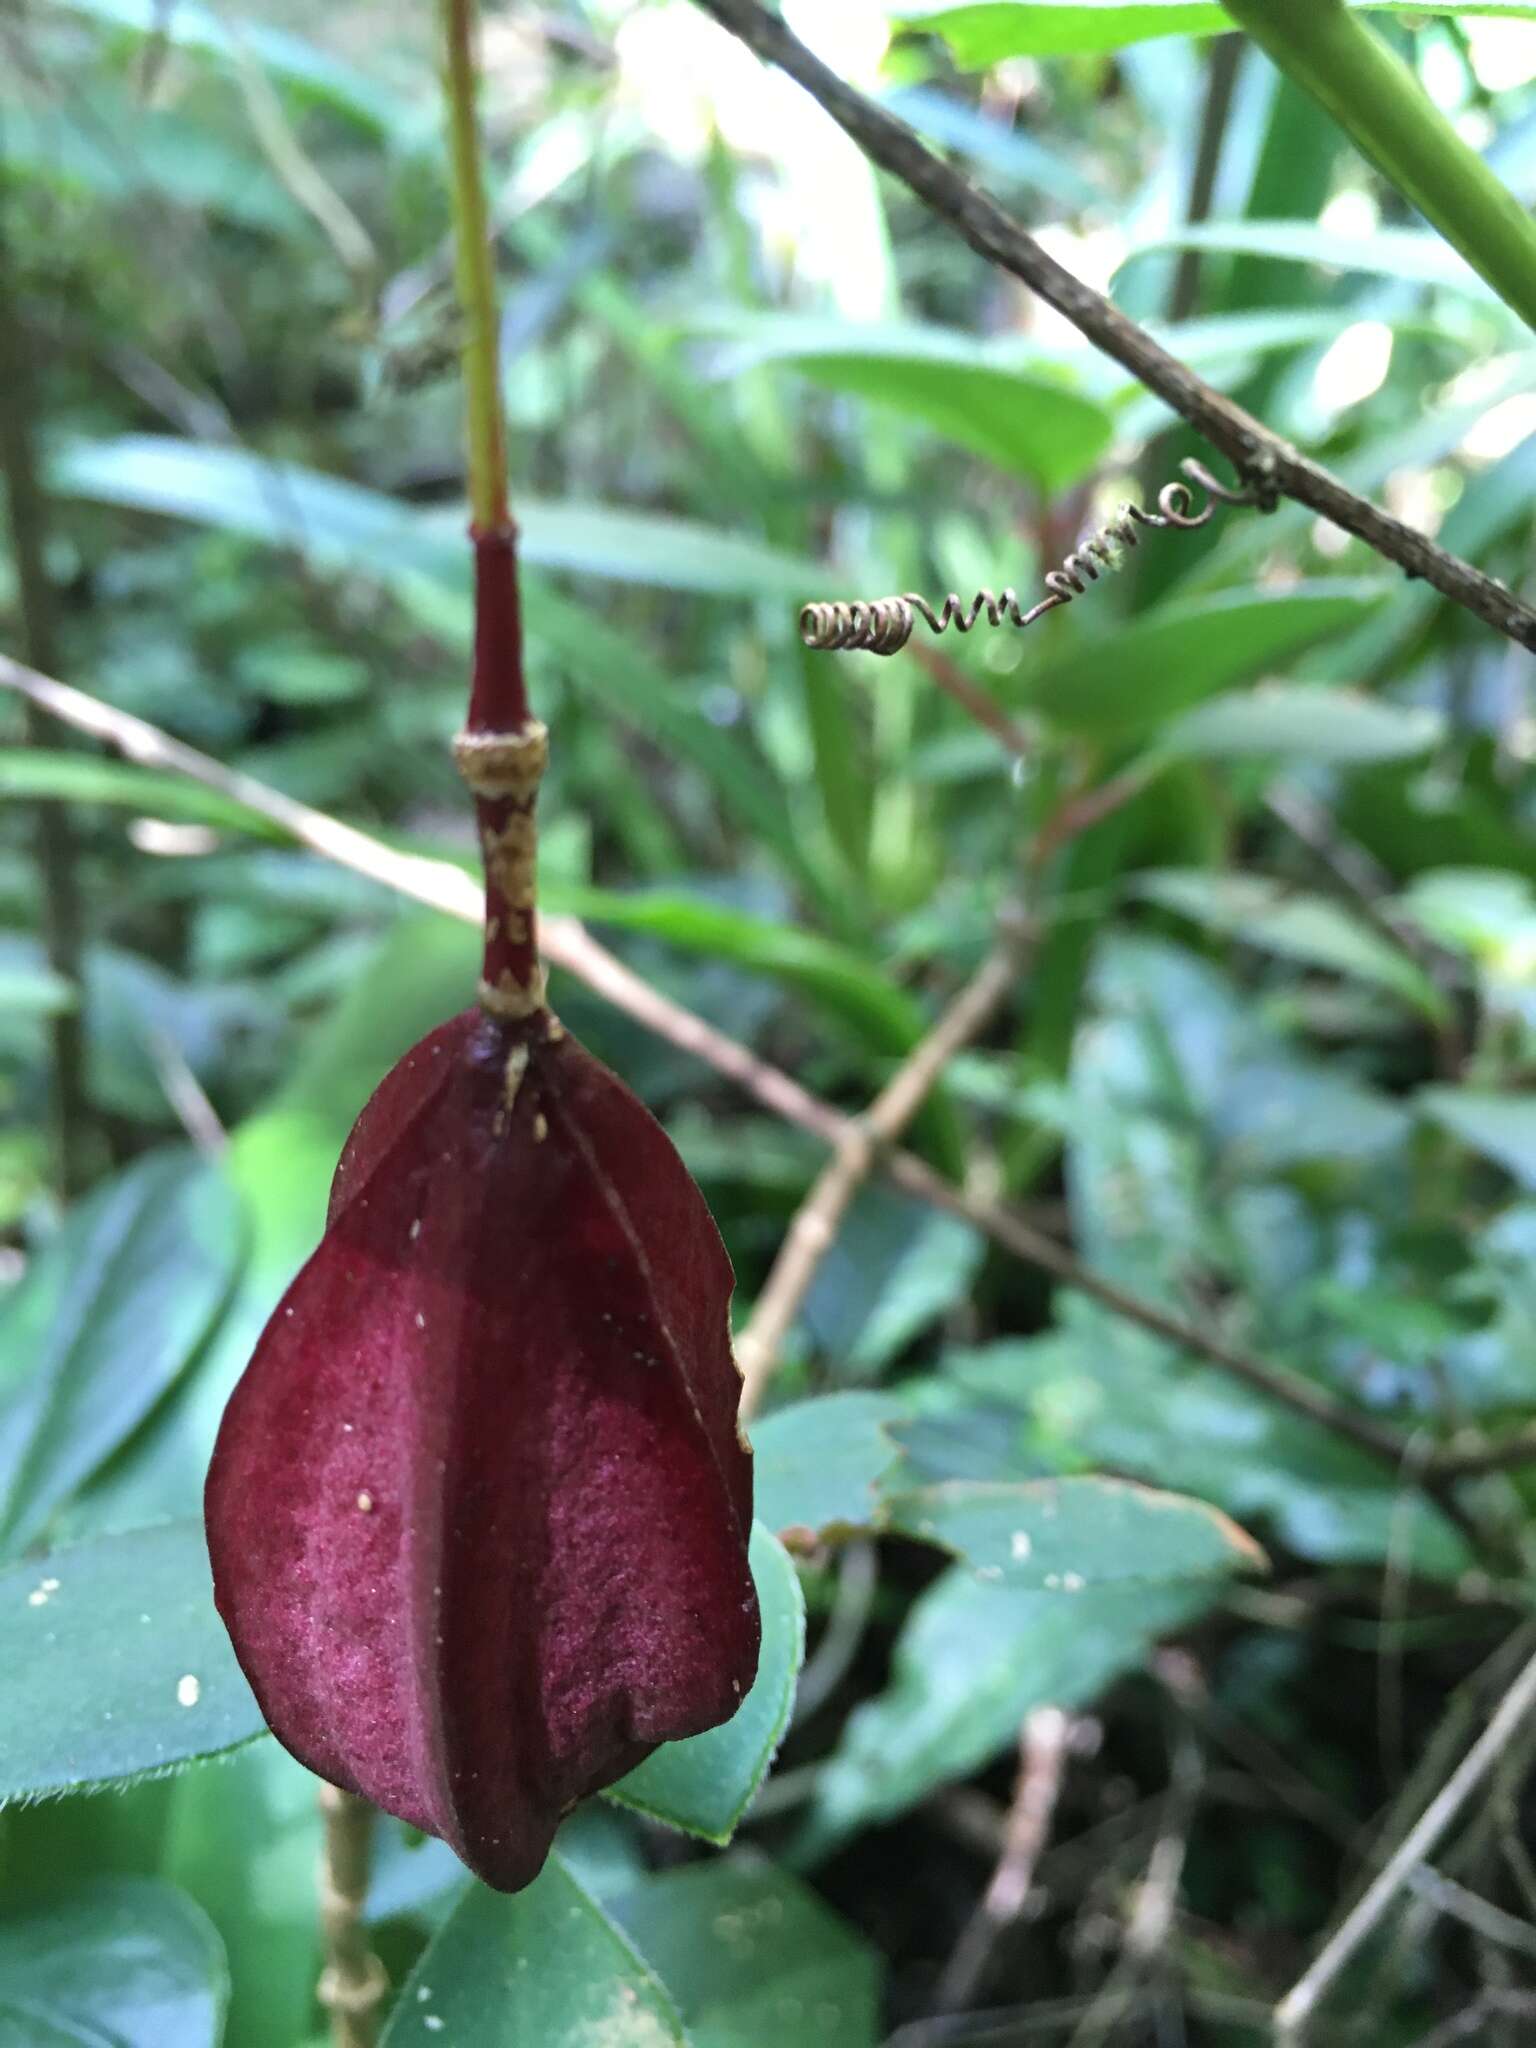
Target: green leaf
x=271, y=1928
x=1294, y=925
x=117, y=149
x=547, y=1965
x=843, y=983
x=115, y=1664
x=97, y=779
x=1097, y=1390
x=649, y=547
x=346, y=525
x=1071, y=1535
x=706, y=1784
x=1133, y=679
x=839, y=980
x=753, y=1957
x=287, y=58
x=999, y=403
x=972, y=1660
x=818, y=1465
x=1405, y=254
x=108, y=1317
x=125, y=1962
x=931, y=1273
x=29, y=987
x=1314, y=724
x=1501, y=1126
x=989, y=32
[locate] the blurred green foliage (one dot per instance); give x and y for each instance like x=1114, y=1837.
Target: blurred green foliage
x=1270, y=1069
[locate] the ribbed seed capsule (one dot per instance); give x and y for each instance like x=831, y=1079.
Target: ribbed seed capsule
x=479, y=1509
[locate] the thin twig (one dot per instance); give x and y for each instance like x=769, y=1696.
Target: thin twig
x=297, y=171
x=353, y=1981
x=1474, y=1460
x=1295, y=2009
x=569, y=945
x=1255, y=451
x=57, y=850
x=982, y=706
x=187, y=1095
x=1045, y=1742
x=819, y=1217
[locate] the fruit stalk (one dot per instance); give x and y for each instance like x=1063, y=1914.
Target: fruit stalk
x=502, y=750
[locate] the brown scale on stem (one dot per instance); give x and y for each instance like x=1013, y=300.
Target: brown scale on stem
x=502, y=754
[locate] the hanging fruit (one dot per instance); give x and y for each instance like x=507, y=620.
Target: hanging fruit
x=479, y=1508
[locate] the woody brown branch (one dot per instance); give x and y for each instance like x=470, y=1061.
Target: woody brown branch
x=1252, y=448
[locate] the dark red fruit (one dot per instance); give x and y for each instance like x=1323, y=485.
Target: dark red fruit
x=479, y=1510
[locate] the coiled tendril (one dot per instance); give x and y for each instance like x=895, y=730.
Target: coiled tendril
x=884, y=625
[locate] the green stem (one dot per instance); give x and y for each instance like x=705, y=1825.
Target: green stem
x=1380, y=105
x=475, y=274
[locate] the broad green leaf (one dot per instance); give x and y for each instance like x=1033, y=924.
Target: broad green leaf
x=818, y=1465
x=972, y=1660
x=98, y=779
x=1502, y=1126
x=752, y=1957
x=988, y=31
x=288, y=58
x=107, y=1318
x=1072, y=1535
x=115, y=148
x=114, y=1664
x=1295, y=925
x=1097, y=1390
x=547, y=1965
x=1315, y=724
x=1405, y=254
x=123, y=1962
x=264, y=1903
x=1486, y=913
x=347, y=525
x=971, y=392
x=1133, y=678
x=28, y=985
x=931, y=1274
x=650, y=547
x=705, y=1785
x=841, y=981
x=1005, y=151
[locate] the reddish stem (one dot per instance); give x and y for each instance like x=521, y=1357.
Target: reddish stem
x=501, y=755
x=498, y=696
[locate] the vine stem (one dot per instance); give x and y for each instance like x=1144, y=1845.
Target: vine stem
x=502, y=751
x=1368, y=89
x=474, y=271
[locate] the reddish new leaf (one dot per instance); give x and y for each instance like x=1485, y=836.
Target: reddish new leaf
x=479, y=1510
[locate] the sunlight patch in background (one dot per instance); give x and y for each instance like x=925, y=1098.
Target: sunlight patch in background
x=1354, y=367
x=821, y=218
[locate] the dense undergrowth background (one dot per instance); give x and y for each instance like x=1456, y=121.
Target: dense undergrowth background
x=1269, y=1065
